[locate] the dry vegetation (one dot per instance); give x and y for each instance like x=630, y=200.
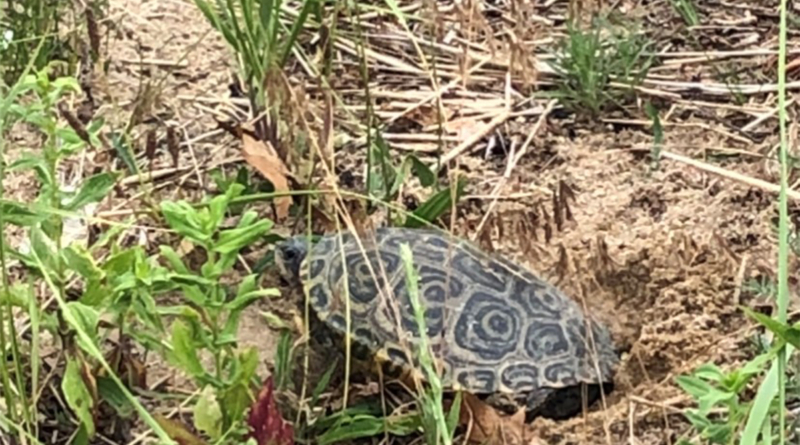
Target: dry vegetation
x=631, y=160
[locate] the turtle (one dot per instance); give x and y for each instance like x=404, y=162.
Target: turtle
x=495, y=328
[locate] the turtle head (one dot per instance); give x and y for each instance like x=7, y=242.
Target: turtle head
x=289, y=255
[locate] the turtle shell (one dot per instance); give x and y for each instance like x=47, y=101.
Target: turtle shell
x=493, y=326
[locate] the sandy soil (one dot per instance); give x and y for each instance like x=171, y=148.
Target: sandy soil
x=662, y=257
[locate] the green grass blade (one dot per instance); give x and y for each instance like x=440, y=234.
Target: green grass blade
x=254, y=34
x=10, y=398
x=783, y=227
x=432, y=398
x=761, y=404
x=216, y=22
x=775, y=382
x=33, y=312
x=297, y=26
x=241, y=44
x=6, y=424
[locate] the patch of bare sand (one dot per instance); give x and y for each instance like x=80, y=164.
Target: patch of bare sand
x=183, y=55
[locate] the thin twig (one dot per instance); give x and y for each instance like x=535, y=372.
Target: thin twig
x=514, y=160
x=730, y=174
x=475, y=137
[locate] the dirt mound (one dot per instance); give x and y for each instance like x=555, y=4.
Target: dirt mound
x=658, y=255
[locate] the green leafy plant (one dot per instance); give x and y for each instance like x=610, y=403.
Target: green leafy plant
x=45, y=253
x=122, y=285
x=720, y=409
x=205, y=320
x=59, y=260
x=60, y=141
x=388, y=177
x=588, y=60
x=208, y=321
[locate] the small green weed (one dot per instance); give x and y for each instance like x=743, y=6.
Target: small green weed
x=730, y=75
x=762, y=287
x=658, y=137
x=720, y=411
x=363, y=421
x=208, y=322
x=388, y=176
x=55, y=258
x=587, y=61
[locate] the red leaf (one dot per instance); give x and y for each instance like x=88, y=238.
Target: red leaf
x=266, y=424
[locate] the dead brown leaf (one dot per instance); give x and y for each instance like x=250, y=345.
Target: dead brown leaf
x=426, y=115
x=178, y=431
x=486, y=425
x=263, y=157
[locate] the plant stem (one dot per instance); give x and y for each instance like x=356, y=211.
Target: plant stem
x=783, y=228
x=8, y=393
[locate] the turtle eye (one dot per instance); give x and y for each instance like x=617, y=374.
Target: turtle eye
x=290, y=254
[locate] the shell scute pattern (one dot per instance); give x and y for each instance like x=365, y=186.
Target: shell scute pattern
x=435, y=288
x=481, y=381
x=363, y=286
x=488, y=328
x=546, y=340
x=534, y=298
x=397, y=355
x=319, y=297
x=577, y=336
x=465, y=263
x=433, y=311
x=519, y=376
x=437, y=285
x=367, y=337
x=338, y=321
x=495, y=326
x=316, y=267
x=561, y=372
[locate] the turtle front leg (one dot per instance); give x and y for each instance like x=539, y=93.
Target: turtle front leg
x=563, y=403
